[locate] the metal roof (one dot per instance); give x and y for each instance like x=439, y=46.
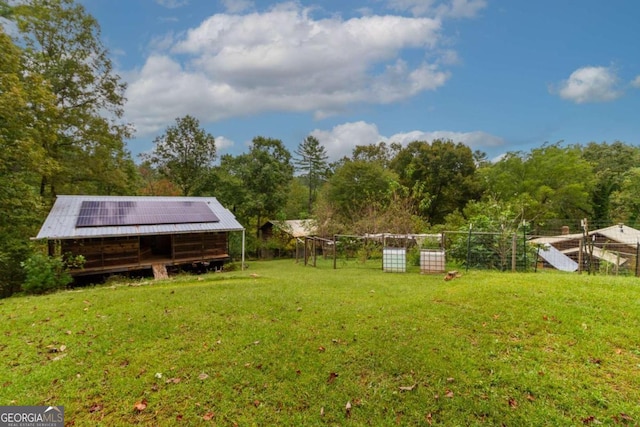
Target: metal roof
x=297, y=227
x=61, y=221
x=618, y=233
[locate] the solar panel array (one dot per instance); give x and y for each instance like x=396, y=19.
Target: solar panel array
x=115, y=213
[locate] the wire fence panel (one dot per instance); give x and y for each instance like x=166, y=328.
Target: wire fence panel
x=591, y=253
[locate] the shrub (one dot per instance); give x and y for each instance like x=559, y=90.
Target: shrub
x=45, y=273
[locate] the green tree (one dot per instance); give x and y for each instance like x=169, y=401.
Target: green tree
x=184, y=154
x=62, y=44
x=494, y=223
x=298, y=200
x=442, y=176
x=550, y=183
x=380, y=152
x=256, y=184
x=153, y=183
x=312, y=161
x=25, y=104
x=611, y=163
x=358, y=186
x=625, y=204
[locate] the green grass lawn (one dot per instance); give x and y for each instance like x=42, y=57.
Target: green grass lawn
x=284, y=344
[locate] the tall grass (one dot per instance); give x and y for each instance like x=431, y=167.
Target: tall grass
x=284, y=344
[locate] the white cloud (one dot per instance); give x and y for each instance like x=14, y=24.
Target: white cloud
x=475, y=140
x=284, y=60
x=223, y=144
x=590, y=84
x=636, y=82
x=442, y=9
x=172, y=4
x=341, y=140
x=464, y=8
x=237, y=6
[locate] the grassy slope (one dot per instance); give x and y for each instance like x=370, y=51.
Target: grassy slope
x=294, y=345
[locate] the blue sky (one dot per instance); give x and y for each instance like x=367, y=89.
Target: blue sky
x=497, y=75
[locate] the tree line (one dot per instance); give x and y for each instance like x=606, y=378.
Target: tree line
x=62, y=132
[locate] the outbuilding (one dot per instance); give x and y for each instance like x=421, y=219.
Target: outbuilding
x=616, y=247
x=124, y=233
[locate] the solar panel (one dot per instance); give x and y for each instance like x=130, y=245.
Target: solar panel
x=114, y=213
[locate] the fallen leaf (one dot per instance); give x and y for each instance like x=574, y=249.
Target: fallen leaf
x=513, y=403
x=588, y=420
x=321, y=349
x=179, y=417
x=347, y=408
x=332, y=377
x=63, y=347
x=96, y=407
x=208, y=416
x=408, y=388
x=449, y=394
x=322, y=411
x=140, y=406
x=203, y=376
x=618, y=351
x=429, y=418
x=624, y=418
x=530, y=398
x=256, y=403
x=173, y=380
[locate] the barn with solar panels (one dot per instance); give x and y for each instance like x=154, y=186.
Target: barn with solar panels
x=116, y=234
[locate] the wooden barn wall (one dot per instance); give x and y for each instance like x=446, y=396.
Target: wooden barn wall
x=111, y=252
x=104, y=252
x=200, y=246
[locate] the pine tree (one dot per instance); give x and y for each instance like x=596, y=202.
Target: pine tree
x=311, y=159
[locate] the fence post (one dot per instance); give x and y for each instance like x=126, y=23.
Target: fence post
x=469, y=246
x=637, y=255
x=335, y=251
x=514, y=252
x=524, y=243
